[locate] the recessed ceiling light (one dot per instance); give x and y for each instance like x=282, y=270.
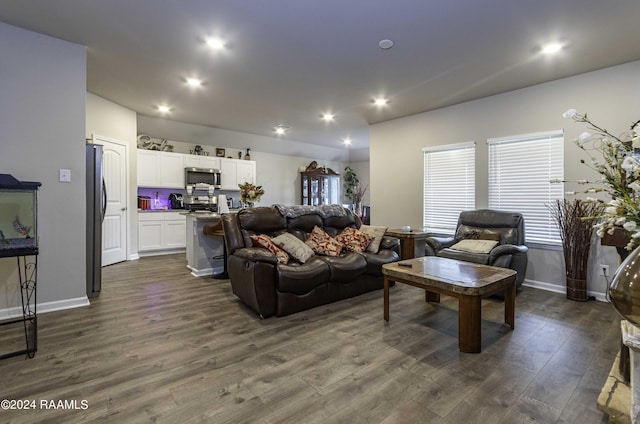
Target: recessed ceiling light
x=551, y=48
x=328, y=117
x=216, y=43
x=380, y=101
x=346, y=141
x=194, y=82
x=164, y=109
x=280, y=129
x=385, y=44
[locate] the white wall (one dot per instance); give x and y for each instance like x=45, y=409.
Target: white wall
x=108, y=119
x=42, y=108
x=610, y=96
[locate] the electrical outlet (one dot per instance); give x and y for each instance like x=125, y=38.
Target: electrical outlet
x=604, y=270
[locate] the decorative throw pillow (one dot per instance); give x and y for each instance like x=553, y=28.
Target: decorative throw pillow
x=293, y=246
x=475, y=246
x=322, y=243
x=262, y=240
x=375, y=232
x=354, y=240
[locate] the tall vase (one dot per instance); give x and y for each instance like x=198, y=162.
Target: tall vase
x=358, y=209
x=624, y=291
x=577, y=289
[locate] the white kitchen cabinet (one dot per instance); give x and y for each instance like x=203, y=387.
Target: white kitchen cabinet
x=246, y=171
x=160, y=169
x=161, y=232
x=236, y=171
x=228, y=174
x=205, y=162
x=148, y=168
x=171, y=170
x=175, y=230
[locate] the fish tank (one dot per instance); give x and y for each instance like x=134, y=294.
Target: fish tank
x=18, y=217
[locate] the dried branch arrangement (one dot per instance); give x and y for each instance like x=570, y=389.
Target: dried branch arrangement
x=575, y=219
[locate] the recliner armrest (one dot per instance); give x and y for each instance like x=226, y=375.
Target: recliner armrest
x=434, y=244
x=256, y=254
x=507, y=249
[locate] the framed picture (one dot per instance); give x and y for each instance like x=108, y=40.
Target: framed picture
x=219, y=152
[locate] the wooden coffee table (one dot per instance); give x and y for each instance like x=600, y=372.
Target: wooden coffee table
x=467, y=281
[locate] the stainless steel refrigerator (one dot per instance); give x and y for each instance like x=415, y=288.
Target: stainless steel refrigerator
x=96, y=208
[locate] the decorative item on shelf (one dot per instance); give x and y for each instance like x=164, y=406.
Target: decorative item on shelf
x=312, y=166
x=247, y=156
x=575, y=221
x=240, y=155
x=146, y=142
x=250, y=193
x=220, y=152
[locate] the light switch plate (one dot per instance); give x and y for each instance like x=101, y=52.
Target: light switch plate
x=64, y=175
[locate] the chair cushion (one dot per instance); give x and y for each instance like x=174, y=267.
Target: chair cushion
x=346, y=267
x=302, y=279
x=293, y=246
x=475, y=246
x=478, y=258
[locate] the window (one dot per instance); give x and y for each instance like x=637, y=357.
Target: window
x=449, y=185
x=520, y=168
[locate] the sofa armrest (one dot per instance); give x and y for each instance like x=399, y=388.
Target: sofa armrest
x=390, y=243
x=435, y=244
x=256, y=254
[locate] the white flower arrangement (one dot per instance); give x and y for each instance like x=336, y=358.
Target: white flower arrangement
x=617, y=160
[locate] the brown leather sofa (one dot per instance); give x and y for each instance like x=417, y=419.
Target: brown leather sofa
x=271, y=288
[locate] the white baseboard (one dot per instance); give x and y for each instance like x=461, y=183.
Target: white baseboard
x=161, y=252
x=43, y=308
x=559, y=289
x=134, y=257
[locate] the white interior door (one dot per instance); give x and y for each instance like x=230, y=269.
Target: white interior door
x=114, y=226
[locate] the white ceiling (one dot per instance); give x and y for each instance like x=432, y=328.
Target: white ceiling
x=288, y=61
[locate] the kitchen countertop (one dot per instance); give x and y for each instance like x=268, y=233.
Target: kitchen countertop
x=160, y=210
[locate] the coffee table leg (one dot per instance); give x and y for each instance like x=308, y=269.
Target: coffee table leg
x=510, y=305
x=386, y=298
x=431, y=297
x=469, y=324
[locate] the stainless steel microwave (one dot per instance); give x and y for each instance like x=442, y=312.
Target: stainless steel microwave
x=202, y=177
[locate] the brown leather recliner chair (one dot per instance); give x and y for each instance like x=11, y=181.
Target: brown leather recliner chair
x=507, y=228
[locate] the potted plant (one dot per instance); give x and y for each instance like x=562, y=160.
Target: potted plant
x=353, y=190
x=575, y=222
x=351, y=181
x=250, y=193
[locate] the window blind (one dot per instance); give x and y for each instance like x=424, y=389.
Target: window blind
x=520, y=170
x=449, y=185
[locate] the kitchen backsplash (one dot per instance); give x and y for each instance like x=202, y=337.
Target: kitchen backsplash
x=163, y=196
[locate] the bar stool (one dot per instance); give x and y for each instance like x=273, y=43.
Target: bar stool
x=216, y=230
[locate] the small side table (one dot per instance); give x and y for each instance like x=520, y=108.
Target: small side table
x=408, y=240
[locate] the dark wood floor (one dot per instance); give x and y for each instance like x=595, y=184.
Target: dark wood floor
x=162, y=346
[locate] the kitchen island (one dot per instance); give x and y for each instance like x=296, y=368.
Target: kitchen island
x=205, y=254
